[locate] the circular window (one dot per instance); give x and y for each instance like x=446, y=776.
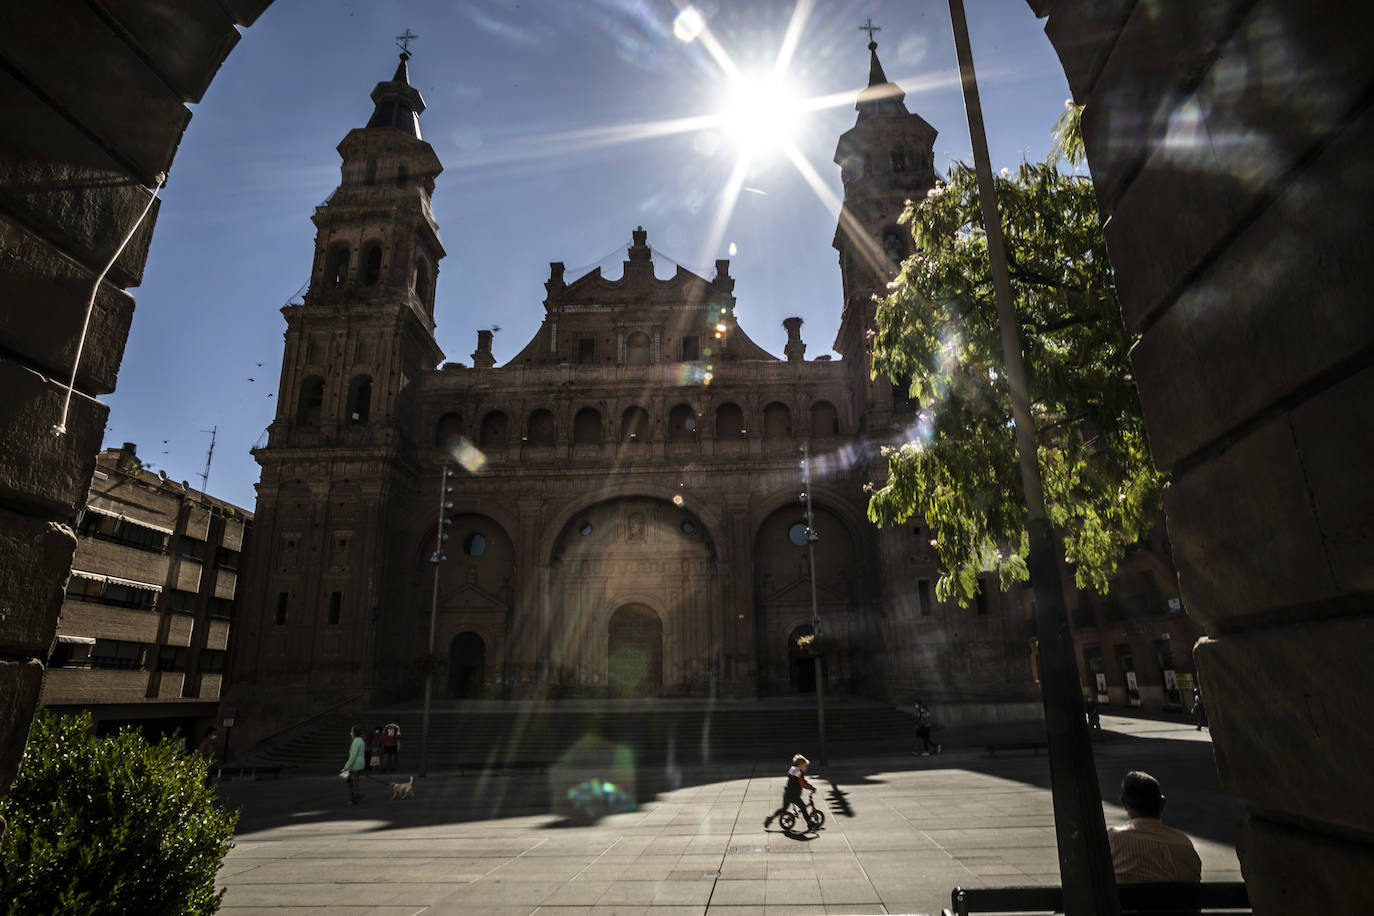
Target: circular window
x=797, y=534
x=585, y=529
x=475, y=545
x=688, y=526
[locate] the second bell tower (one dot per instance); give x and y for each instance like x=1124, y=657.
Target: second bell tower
x=885, y=159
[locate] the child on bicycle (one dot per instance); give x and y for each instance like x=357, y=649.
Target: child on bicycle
x=791, y=793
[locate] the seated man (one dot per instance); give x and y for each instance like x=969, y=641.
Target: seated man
x=1144, y=850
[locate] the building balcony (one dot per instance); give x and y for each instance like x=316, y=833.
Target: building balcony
x=218, y=637
x=99, y=555
x=225, y=582
x=93, y=686
x=104, y=620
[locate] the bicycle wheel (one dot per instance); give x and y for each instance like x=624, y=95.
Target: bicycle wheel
x=817, y=818
x=787, y=821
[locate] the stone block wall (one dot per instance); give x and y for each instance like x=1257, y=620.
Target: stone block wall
x=95, y=94
x=1228, y=145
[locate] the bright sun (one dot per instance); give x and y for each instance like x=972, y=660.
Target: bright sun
x=761, y=114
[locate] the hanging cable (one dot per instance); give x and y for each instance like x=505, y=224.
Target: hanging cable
x=60, y=428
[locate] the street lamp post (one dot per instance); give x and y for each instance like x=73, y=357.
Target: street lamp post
x=1085, y=865
x=811, y=538
x=440, y=537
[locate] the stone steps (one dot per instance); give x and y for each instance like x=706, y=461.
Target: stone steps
x=497, y=736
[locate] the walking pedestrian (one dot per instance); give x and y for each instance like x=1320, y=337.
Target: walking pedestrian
x=924, y=724
x=391, y=746
x=355, y=764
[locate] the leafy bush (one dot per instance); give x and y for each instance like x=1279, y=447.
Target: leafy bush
x=110, y=825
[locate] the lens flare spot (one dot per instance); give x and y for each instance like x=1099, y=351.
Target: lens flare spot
x=468, y=455
x=678, y=500
x=688, y=24
x=733, y=249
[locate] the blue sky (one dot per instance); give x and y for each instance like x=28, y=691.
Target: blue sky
x=555, y=124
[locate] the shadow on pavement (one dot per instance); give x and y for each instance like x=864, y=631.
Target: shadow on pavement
x=601, y=781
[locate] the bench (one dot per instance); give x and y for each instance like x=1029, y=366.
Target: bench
x=1137, y=899
x=1015, y=746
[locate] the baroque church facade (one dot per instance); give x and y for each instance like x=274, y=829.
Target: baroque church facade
x=620, y=498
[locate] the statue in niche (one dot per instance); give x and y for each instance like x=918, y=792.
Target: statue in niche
x=636, y=527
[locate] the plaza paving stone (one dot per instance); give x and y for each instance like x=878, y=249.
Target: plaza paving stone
x=901, y=832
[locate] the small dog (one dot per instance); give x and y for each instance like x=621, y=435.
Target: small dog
x=403, y=789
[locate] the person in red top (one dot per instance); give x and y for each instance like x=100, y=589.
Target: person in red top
x=791, y=793
x=391, y=746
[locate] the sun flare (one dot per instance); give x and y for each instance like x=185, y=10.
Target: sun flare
x=761, y=113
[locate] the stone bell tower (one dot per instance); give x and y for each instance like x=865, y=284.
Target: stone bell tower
x=885, y=159
x=335, y=471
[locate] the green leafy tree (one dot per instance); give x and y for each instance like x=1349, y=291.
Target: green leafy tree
x=110, y=825
x=939, y=328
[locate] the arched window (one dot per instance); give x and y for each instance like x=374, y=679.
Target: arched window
x=370, y=172
x=634, y=425
x=495, y=431
x=637, y=349
x=893, y=246
x=825, y=421
x=777, y=421
x=682, y=424
x=336, y=272
x=402, y=175
x=587, y=427
x=359, y=399
x=730, y=422
x=372, y=264
x=449, y=432
x=420, y=281
x=542, y=428
x=897, y=158
x=311, y=402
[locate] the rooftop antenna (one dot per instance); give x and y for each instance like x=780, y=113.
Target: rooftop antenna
x=205, y=476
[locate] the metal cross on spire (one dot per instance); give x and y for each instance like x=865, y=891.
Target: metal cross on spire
x=870, y=28
x=405, y=39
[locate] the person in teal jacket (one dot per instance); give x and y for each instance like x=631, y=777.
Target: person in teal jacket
x=357, y=762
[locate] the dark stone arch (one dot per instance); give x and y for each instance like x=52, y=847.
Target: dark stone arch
x=448, y=432
x=638, y=349
x=634, y=425
x=777, y=421
x=467, y=661
x=587, y=427
x=542, y=428
x=336, y=268
x=372, y=263
x=359, y=400
x=494, y=432
x=825, y=420
x=310, y=404
x=682, y=424
x=634, y=652
x=730, y=422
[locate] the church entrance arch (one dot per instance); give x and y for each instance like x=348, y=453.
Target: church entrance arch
x=801, y=664
x=634, y=653
x=784, y=581
x=467, y=657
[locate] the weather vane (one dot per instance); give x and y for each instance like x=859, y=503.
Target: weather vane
x=870, y=28
x=405, y=39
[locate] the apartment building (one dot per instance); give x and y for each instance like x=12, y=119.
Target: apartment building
x=144, y=630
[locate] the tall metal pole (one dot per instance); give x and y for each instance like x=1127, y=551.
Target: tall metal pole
x=1085, y=865
x=440, y=536
x=811, y=538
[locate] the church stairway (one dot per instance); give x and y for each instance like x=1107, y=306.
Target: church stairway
x=495, y=736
